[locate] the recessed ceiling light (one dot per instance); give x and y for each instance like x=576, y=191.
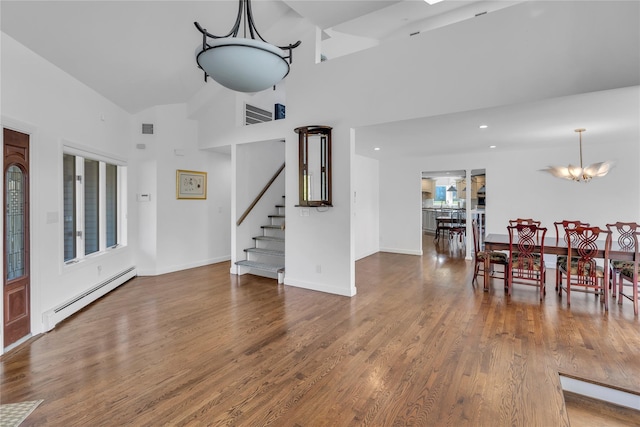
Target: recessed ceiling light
x=483, y=126
x=492, y=146
x=433, y=1
x=376, y=149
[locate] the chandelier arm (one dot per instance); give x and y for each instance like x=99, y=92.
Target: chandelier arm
x=204, y=57
x=236, y=26
x=252, y=25
x=234, y=29
x=254, y=32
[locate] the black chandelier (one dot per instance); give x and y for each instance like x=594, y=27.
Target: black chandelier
x=240, y=63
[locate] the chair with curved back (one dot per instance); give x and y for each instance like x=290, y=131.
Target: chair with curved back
x=626, y=271
x=483, y=258
x=526, y=256
x=582, y=273
x=565, y=229
x=529, y=221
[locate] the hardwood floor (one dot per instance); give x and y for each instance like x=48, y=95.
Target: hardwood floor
x=418, y=345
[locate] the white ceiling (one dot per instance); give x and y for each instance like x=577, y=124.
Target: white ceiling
x=609, y=116
x=142, y=53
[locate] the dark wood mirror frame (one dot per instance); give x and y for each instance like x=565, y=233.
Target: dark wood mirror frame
x=314, y=165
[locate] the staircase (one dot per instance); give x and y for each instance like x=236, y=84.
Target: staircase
x=267, y=254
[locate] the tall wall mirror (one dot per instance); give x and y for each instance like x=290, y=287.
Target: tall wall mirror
x=314, y=165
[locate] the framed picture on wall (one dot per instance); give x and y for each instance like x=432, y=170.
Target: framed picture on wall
x=191, y=185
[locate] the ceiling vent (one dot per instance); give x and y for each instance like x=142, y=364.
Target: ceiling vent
x=147, y=128
x=253, y=115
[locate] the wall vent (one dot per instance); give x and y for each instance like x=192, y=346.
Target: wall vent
x=147, y=128
x=253, y=115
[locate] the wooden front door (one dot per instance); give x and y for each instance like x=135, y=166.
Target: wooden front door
x=16, y=292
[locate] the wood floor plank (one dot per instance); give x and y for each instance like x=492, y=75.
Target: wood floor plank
x=418, y=345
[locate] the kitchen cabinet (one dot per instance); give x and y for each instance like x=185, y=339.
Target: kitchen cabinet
x=461, y=189
x=476, y=183
x=429, y=186
x=429, y=223
x=479, y=190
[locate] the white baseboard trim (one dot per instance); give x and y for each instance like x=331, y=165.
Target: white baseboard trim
x=402, y=251
x=321, y=287
x=51, y=317
x=599, y=392
x=366, y=254
x=174, y=268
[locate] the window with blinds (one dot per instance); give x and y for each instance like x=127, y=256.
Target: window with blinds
x=92, y=205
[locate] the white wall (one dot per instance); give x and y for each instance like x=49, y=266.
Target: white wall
x=366, y=217
x=515, y=188
x=56, y=109
x=40, y=99
x=178, y=234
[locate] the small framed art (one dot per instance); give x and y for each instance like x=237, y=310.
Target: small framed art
x=191, y=185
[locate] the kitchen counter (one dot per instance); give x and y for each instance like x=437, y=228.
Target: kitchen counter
x=433, y=208
x=429, y=215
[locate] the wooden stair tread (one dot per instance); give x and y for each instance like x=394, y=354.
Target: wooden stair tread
x=273, y=227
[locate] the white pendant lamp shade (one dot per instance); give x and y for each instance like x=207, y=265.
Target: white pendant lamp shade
x=243, y=65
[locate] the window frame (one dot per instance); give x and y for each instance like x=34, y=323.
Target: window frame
x=80, y=155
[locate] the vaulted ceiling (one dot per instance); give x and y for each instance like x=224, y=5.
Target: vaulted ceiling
x=142, y=53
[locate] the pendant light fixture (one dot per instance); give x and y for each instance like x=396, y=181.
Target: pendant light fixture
x=240, y=63
x=580, y=173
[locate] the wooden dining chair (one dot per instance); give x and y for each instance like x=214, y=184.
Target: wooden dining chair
x=627, y=271
x=565, y=230
x=529, y=221
x=443, y=222
x=526, y=256
x=585, y=275
x=458, y=227
x=625, y=232
x=480, y=258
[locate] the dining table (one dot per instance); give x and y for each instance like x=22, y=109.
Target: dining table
x=446, y=223
x=552, y=246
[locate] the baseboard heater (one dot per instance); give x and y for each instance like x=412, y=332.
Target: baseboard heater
x=52, y=317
